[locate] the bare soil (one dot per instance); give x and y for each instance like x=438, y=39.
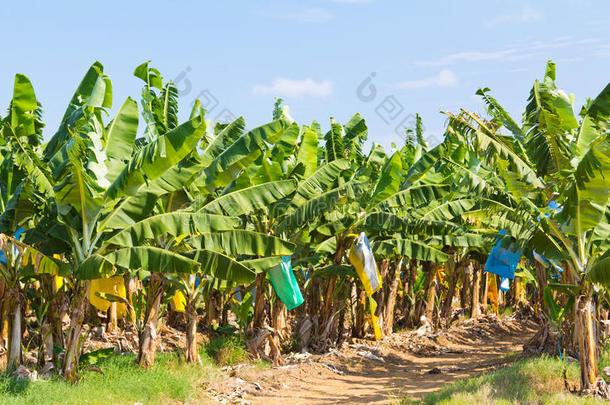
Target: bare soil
x=405, y=364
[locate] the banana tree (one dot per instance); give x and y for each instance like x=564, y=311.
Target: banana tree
x=258, y=195
x=553, y=156
x=88, y=170
x=202, y=185
x=20, y=264
x=417, y=220
x=20, y=134
x=321, y=204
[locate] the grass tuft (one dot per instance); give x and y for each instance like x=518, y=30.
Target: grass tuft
x=226, y=350
x=530, y=381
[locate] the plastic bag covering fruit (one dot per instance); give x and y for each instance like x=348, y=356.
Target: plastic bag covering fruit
x=492, y=292
x=179, y=302
x=285, y=283
x=503, y=261
x=362, y=258
x=112, y=285
x=374, y=319
x=59, y=280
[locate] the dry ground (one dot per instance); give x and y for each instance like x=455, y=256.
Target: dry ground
x=407, y=364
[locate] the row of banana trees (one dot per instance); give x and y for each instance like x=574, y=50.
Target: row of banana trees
x=202, y=210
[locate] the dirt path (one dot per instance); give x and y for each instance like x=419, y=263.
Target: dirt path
x=411, y=365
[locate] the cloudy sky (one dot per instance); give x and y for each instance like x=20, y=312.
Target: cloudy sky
x=384, y=59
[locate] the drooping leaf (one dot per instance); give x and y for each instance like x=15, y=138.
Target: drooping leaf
x=221, y=266
x=242, y=242
x=320, y=181
x=174, y=224
x=250, y=199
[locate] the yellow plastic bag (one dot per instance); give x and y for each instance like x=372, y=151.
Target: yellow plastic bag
x=178, y=302
x=59, y=280
x=113, y=285
x=362, y=258
x=492, y=292
x=374, y=319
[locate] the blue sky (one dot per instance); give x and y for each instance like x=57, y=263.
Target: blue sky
x=321, y=56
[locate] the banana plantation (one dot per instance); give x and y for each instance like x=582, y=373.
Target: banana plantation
x=293, y=238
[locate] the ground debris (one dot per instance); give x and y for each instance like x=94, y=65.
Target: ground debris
x=441, y=370
x=332, y=368
x=370, y=356
x=237, y=396
x=297, y=357
x=23, y=373
x=362, y=367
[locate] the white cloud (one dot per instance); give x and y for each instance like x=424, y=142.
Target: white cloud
x=282, y=86
x=444, y=78
x=525, y=16
x=506, y=55
x=310, y=15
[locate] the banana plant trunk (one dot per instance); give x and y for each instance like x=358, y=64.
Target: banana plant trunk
x=14, y=357
x=542, y=283
x=517, y=293
x=4, y=314
x=192, y=349
x=388, y=316
x=148, y=335
x=113, y=321
x=131, y=286
x=466, y=286
x=45, y=353
x=484, y=290
x=409, y=305
x=359, y=313
x=80, y=302
x=259, y=302
x=475, y=307
x=329, y=296
x=381, y=296
x=328, y=301
x=587, y=341
x=430, y=290
x=279, y=315
x=54, y=336
x=215, y=308
x=447, y=303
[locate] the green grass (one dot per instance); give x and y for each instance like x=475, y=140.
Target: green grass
x=123, y=382
x=531, y=381
x=505, y=311
x=226, y=350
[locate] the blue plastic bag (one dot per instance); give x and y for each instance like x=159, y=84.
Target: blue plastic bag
x=18, y=234
x=502, y=261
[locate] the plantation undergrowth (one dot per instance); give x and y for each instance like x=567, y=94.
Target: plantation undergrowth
x=117, y=379
x=529, y=381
